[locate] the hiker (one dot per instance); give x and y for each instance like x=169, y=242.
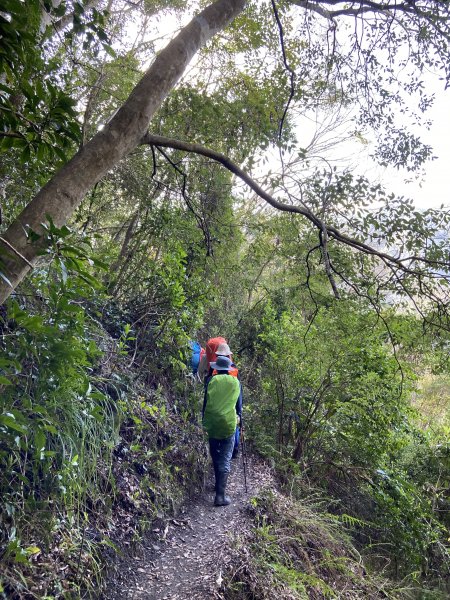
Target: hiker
x=209, y=356
x=216, y=348
x=197, y=353
x=223, y=349
x=221, y=414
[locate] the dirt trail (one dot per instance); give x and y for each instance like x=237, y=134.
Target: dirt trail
x=187, y=556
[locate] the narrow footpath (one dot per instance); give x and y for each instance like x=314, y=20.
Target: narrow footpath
x=187, y=556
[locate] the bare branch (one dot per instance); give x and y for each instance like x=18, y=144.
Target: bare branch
x=323, y=236
x=12, y=134
x=200, y=220
x=158, y=140
x=288, y=68
x=365, y=6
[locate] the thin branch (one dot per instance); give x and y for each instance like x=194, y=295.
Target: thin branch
x=375, y=305
x=287, y=66
x=12, y=135
x=199, y=218
x=161, y=141
x=323, y=237
x=333, y=232
x=365, y=6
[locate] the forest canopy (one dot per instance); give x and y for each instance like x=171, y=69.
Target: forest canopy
x=248, y=91
x=160, y=187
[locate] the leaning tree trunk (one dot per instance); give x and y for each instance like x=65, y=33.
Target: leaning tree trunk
x=65, y=191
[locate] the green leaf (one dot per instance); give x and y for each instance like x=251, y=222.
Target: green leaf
x=26, y=154
x=60, y=153
x=7, y=143
x=110, y=50
x=41, y=151
x=10, y=422
x=63, y=270
x=50, y=428
x=39, y=443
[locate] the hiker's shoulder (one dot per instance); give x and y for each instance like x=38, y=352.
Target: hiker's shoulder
x=223, y=379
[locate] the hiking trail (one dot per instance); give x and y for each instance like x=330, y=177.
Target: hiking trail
x=187, y=556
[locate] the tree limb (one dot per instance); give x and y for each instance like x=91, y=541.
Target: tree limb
x=332, y=232
x=66, y=189
x=365, y=6
x=287, y=66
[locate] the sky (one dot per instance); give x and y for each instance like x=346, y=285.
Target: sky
x=435, y=189
x=431, y=188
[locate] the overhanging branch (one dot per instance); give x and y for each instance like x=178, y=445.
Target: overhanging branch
x=332, y=232
x=364, y=6
x=158, y=140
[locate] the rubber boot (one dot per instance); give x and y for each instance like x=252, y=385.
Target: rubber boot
x=216, y=478
x=221, y=499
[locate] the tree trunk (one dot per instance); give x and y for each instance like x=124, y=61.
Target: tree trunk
x=65, y=191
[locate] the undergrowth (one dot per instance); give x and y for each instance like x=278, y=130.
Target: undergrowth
x=91, y=452
x=295, y=551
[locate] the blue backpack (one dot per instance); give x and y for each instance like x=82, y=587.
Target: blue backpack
x=195, y=357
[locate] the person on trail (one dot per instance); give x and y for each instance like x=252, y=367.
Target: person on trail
x=221, y=411
x=209, y=356
x=223, y=349
x=197, y=353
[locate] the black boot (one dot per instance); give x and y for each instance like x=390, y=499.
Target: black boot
x=216, y=478
x=221, y=499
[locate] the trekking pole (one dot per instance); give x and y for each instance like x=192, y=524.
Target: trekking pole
x=243, y=456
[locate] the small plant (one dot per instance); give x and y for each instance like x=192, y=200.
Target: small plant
x=294, y=551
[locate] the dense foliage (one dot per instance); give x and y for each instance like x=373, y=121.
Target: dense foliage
x=343, y=351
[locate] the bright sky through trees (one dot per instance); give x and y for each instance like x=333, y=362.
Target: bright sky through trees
x=429, y=190
x=435, y=189
x=256, y=92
